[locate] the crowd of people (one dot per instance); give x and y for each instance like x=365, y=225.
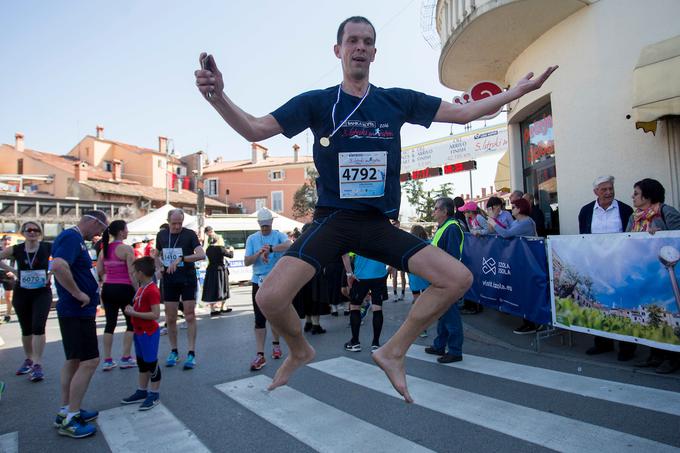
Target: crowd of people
x=347, y=251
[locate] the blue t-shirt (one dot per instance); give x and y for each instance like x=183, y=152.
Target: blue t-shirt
x=254, y=243
x=374, y=127
x=70, y=247
x=365, y=268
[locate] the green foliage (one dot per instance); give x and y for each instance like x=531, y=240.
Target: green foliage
x=305, y=198
x=569, y=313
x=422, y=200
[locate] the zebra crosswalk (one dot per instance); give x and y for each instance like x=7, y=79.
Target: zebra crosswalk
x=312, y=418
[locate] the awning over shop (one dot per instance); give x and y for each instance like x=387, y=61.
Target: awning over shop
x=656, y=81
x=502, y=179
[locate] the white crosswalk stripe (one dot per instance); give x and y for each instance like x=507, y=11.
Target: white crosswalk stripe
x=128, y=430
x=308, y=419
x=632, y=395
x=531, y=425
x=9, y=443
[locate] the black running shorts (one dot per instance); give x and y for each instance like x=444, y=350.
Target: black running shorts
x=79, y=338
x=335, y=232
x=174, y=291
x=377, y=287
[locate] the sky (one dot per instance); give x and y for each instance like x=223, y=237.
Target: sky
x=626, y=273
x=128, y=66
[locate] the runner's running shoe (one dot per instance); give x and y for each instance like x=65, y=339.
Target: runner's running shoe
x=108, y=364
x=150, y=402
x=88, y=416
x=172, y=359
x=137, y=397
x=189, y=363
x=352, y=347
x=257, y=363
x=37, y=374
x=127, y=362
x=77, y=428
x=25, y=367
x=276, y=352
x=374, y=347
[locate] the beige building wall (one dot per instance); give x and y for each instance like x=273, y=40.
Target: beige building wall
x=597, y=49
x=58, y=188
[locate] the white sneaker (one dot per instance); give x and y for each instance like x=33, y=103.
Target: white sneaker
x=183, y=325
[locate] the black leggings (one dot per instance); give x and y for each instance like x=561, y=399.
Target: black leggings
x=116, y=297
x=260, y=320
x=32, y=307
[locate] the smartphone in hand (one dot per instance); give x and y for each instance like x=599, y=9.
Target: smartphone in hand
x=205, y=66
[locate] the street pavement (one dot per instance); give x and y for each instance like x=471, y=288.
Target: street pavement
x=504, y=396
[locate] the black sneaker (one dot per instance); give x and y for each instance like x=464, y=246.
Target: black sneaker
x=352, y=347
x=433, y=351
x=525, y=329
x=448, y=358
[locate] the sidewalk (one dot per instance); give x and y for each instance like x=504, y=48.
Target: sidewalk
x=494, y=327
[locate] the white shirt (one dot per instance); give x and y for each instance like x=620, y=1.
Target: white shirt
x=606, y=220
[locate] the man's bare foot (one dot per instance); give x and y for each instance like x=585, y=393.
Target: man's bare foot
x=395, y=371
x=293, y=361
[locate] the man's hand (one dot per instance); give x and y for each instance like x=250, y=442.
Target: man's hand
x=173, y=266
x=528, y=83
x=351, y=279
x=209, y=80
x=11, y=275
x=83, y=298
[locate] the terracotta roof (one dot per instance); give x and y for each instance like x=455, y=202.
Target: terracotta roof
x=66, y=163
x=270, y=161
x=136, y=149
x=150, y=193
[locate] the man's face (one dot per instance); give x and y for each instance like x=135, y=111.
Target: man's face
x=439, y=213
x=175, y=223
x=266, y=229
x=604, y=193
x=357, y=50
x=93, y=228
x=6, y=243
x=514, y=197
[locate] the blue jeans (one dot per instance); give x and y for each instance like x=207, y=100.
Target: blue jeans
x=450, y=332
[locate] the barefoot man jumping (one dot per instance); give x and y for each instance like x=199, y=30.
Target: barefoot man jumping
x=357, y=152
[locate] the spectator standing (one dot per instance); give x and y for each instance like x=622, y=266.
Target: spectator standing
x=651, y=214
x=604, y=215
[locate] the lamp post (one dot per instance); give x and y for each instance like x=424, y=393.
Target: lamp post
x=669, y=257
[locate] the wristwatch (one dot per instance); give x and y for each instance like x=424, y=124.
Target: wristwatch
x=182, y=258
x=349, y=274
x=271, y=249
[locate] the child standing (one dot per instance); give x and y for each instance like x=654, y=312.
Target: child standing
x=144, y=314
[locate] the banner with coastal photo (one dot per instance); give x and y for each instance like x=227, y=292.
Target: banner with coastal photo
x=621, y=286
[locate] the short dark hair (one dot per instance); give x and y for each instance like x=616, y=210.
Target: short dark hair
x=652, y=190
x=494, y=201
x=448, y=205
x=146, y=265
x=356, y=20
x=458, y=202
x=523, y=205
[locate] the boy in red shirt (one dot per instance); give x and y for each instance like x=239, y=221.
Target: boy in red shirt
x=144, y=312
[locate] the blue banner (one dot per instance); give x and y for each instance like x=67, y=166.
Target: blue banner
x=510, y=275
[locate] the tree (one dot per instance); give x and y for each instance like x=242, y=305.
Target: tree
x=422, y=200
x=655, y=314
x=305, y=198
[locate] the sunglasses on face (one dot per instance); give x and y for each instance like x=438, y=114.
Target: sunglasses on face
x=32, y=230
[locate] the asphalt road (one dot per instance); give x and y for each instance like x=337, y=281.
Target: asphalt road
x=502, y=397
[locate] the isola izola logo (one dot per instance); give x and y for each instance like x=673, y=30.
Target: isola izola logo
x=488, y=266
x=491, y=266
x=367, y=129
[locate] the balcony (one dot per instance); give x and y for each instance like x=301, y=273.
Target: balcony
x=481, y=38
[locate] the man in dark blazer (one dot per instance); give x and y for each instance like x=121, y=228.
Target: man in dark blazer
x=606, y=215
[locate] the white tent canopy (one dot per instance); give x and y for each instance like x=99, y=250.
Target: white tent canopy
x=246, y=222
x=149, y=225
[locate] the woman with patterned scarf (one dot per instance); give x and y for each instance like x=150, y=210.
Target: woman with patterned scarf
x=652, y=215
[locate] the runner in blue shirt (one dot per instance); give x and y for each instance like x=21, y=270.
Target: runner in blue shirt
x=78, y=293
x=357, y=152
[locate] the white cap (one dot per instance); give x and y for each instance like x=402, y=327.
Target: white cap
x=265, y=217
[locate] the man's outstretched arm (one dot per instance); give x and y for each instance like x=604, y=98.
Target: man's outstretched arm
x=211, y=85
x=463, y=114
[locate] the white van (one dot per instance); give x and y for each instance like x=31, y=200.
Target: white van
x=235, y=229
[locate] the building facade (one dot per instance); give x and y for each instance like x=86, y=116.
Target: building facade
x=582, y=122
